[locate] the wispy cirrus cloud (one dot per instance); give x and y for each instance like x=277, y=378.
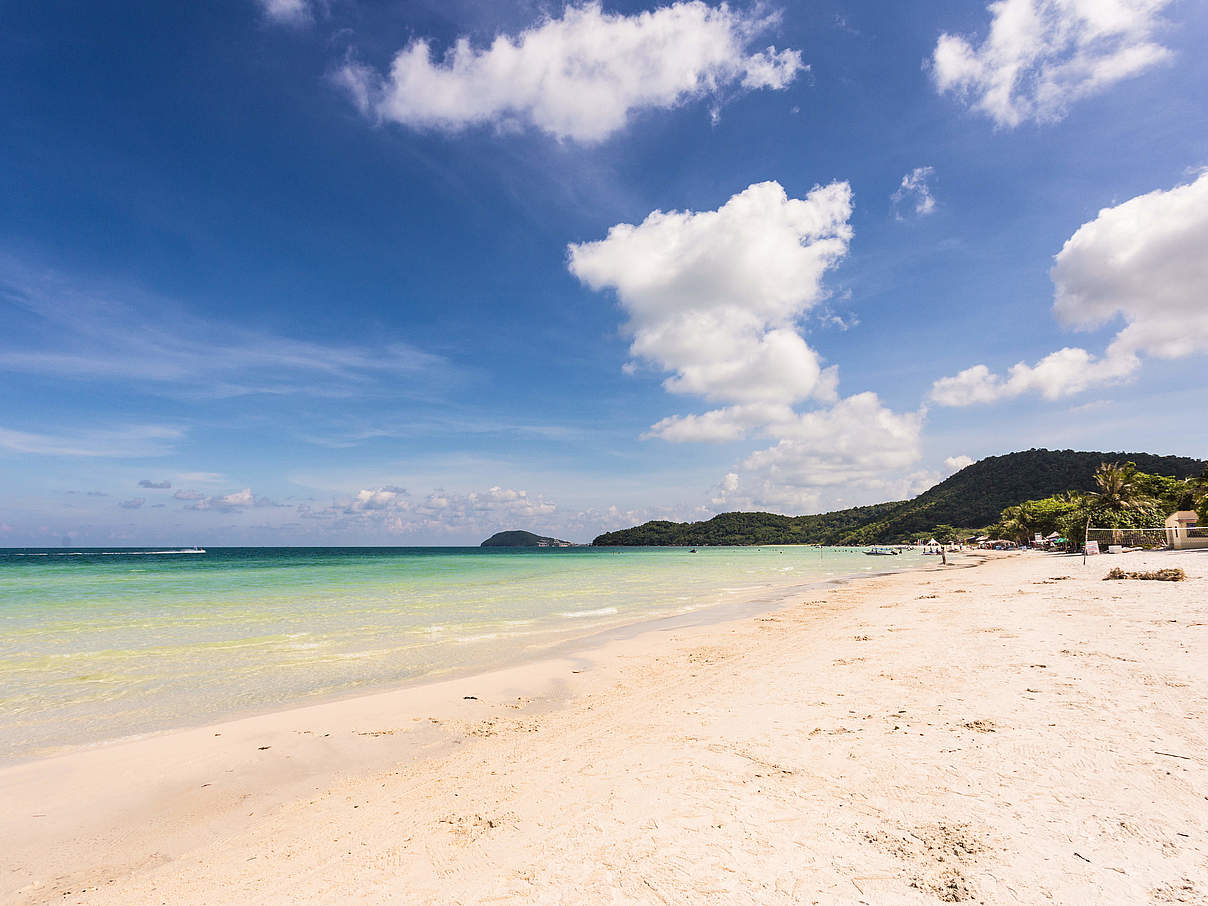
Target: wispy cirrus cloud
x=201, y=477
x=914, y=193
x=128, y=442
x=344, y=433
x=580, y=75
x=76, y=332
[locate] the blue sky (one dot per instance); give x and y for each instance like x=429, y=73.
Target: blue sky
x=339, y=271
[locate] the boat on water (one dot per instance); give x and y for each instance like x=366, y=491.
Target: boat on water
x=882, y=552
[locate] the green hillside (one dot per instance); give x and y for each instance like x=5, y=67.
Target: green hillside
x=972, y=498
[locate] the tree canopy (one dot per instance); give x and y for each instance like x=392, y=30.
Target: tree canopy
x=1124, y=498
x=971, y=500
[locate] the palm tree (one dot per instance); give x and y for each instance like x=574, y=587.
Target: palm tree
x=1117, y=485
x=1117, y=491
x=1015, y=529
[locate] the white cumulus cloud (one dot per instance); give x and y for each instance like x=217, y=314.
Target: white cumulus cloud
x=377, y=499
x=914, y=193
x=1041, y=55
x=1062, y=373
x=713, y=296
x=235, y=502
x=856, y=451
x=1143, y=262
x=730, y=423
x=580, y=75
x=956, y=463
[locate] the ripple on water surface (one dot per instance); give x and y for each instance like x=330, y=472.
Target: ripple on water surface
x=101, y=644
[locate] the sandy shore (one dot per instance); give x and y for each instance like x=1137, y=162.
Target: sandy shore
x=1018, y=732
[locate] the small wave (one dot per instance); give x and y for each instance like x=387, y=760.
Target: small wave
x=148, y=553
x=577, y=614
x=357, y=655
x=109, y=553
x=470, y=639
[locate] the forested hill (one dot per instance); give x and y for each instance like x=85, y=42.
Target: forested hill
x=972, y=498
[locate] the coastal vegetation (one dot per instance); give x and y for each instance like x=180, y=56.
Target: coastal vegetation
x=1012, y=496
x=1124, y=498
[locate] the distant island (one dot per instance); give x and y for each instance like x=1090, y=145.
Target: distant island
x=973, y=498
x=523, y=539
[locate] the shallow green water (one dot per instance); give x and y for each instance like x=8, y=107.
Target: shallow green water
x=96, y=645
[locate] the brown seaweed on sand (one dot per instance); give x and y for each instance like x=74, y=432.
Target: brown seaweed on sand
x=1158, y=575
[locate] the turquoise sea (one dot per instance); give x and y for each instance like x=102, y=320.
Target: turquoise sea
x=100, y=644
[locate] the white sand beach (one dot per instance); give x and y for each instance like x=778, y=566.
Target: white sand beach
x=1019, y=731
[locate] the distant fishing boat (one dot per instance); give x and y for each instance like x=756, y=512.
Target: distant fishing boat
x=881, y=552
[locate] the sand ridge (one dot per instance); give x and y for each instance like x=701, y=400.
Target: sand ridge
x=1019, y=732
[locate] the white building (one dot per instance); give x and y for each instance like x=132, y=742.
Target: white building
x=1181, y=533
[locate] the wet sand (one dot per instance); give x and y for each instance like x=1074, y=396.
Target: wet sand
x=1021, y=731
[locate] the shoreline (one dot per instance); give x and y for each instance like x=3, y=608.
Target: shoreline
x=651, y=737
x=534, y=684
x=756, y=601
